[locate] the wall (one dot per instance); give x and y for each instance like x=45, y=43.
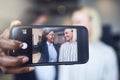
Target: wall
x=108, y=9
x=11, y=10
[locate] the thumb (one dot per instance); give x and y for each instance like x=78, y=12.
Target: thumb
x=6, y=32
x=15, y=23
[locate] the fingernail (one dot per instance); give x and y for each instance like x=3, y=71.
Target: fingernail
x=25, y=59
x=21, y=45
x=31, y=68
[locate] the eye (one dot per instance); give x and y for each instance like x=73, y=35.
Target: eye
x=65, y=33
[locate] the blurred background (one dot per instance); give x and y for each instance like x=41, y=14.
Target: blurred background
x=28, y=11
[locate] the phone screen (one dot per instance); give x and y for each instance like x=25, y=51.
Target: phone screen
x=54, y=45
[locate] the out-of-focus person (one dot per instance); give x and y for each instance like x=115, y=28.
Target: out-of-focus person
x=41, y=19
x=68, y=50
x=102, y=63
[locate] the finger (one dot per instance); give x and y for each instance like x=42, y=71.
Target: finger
x=15, y=23
x=2, y=53
x=5, y=34
x=10, y=44
x=17, y=70
x=9, y=61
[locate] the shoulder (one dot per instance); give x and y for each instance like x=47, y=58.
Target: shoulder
x=41, y=44
x=103, y=52
x=109, y=54
x=102, y=49
x=64, y=44
x=108, y=51
x=106, y=47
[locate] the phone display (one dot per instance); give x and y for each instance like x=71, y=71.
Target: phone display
x=52, y=45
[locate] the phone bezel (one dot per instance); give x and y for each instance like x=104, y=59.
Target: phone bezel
x=82, y=43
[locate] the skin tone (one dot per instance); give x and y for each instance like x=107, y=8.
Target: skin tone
x=10, y=64
x=50, y=37
x=82, y=19
x=42, y=19
x=68, y=34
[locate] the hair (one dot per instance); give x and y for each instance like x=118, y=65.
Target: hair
x=69, y=29
x=96, y=31
x=44, y=34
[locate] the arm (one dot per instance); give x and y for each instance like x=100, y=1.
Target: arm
x=40, y=46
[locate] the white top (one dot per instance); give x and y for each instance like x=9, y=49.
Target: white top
x=52, y=52
x=68, y=52
x=45, y=72
x=102, y=65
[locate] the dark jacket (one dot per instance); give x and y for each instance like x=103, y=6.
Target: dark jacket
x=26, y=76
x=43, y=48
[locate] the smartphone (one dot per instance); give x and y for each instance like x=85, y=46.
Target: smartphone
x=51, y=44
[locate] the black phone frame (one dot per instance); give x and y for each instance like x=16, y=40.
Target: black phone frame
x=82, y=43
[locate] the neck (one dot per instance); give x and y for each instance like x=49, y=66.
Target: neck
x=49, y=41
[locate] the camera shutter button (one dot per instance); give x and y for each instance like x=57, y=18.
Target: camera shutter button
x=25, y=45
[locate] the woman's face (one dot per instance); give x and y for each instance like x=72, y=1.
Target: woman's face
x=81, y=19
x=50, y=37
x=68, y=35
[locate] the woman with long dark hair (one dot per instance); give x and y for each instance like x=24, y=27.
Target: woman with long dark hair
x=47, y=48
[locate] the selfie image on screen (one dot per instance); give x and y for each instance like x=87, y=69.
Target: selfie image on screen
x=54, y=45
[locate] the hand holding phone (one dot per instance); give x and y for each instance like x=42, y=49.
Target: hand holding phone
x=52, y=45
x=11, y=64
